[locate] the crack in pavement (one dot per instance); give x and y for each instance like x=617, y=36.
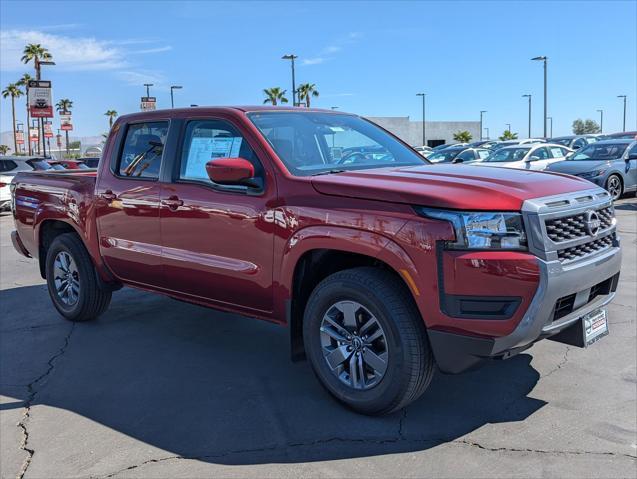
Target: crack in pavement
x=432, y=442
x=560, y=364
x=26, y=414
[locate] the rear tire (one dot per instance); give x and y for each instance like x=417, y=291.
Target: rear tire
x=394, y=364
x=71, y=280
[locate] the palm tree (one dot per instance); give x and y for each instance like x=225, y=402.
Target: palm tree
x=274, y=95
x=111, y=114
x=65, y=105
x=14, y=92
x=4, y=149
x=307, y=90
x=462, y=136
x=24, y=81
x=37, y=53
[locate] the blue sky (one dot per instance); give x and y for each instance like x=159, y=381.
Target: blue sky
x=368, y=58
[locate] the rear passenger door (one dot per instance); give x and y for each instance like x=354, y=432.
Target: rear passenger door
x=127, y=203
x=631, y=169
x=540, y=158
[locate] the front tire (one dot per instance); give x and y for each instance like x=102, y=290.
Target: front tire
x=366, y=341
x=614, y=186
x=71, y=280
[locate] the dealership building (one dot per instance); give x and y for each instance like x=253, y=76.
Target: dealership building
x=437, y=132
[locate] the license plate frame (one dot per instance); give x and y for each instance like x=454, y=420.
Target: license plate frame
x=587, y=330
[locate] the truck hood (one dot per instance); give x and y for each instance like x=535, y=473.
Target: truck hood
x=463, y=187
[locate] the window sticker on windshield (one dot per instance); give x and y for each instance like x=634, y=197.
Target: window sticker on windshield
x=202, y=150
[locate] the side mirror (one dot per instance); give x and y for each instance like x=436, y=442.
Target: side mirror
x=231, y=171
x=632, y=156
x=532, y=158
x=457, y=160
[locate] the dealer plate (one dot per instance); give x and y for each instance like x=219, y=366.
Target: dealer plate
x=595, y=326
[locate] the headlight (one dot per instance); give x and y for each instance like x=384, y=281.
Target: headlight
x=482, y=230
x=590, y=174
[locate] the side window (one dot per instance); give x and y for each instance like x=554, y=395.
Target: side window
x=556, y=152
x=206, y=140
x=142, y=150
x=579, y=143
x=541, y=153
x=632, y=151
x=7, y=165
x=466, y=155
x=483, y=154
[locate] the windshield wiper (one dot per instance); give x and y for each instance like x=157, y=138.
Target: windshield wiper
x=328, y=172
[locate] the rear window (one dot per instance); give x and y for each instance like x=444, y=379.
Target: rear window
x=142, y=150
x=7, y=165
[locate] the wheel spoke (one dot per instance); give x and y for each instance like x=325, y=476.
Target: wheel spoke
x=337, y=357
x=348, y=309
x=333, y=334
x=377, y=363
x=353, y=371
x=377, y=334
x=371, y=322
x=334, y=324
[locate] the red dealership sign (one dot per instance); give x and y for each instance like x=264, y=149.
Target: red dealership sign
x=19, y=137
x=48, y=131
x=40, y=102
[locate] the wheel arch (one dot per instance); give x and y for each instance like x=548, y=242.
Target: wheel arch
x=315, y=253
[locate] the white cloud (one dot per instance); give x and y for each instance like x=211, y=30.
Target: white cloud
x=140, y=77
x=335, y=47
x=79, y=53
x=313, y=61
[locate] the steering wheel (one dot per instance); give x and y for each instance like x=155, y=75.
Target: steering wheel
x=352, y=157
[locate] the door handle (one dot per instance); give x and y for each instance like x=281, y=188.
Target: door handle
x=109, y=196
x=172, y=202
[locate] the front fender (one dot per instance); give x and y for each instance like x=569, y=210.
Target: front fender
x=350, y=240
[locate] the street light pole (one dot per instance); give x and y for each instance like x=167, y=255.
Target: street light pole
x=292, y=57
x=487, y=128
x=543, y=59
x=529, y=97
x=508, y=127
x=424, y=127
x=148, y=85
x=172, y=99
x=601, y=120
x=481, y=113
x=624, y=97
x=551, y=130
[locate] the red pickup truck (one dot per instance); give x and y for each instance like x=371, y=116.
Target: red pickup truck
x=382, y=266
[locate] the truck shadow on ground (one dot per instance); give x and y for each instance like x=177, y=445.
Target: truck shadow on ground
x=220, y=388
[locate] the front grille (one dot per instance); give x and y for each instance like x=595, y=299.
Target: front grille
x=576, y=252
x=573, y=227
x=564, y=306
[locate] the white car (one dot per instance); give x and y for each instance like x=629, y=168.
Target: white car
x=535, y=156
x=5, y=193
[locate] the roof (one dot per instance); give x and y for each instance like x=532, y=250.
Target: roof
x=224, y=109
x=614, y=141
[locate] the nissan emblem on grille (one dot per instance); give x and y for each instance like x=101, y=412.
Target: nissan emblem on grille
x=592, y=222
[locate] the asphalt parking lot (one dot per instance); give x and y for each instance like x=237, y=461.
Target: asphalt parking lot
x=159, y=388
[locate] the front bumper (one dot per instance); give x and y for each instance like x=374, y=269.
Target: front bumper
x=573, y=280
x=456, y=353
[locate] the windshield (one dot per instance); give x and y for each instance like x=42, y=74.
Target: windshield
x=310, y=143
x=563, y=141
x=444, y=156
x=497, y=146
x=39, y=164
x=507, y=154
x=600, y=152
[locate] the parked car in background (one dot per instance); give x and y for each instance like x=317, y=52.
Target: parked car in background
x=574, y=142
x=447, y=145
x=10, y=165
x=624, y=135
x=483, y=144
x=459, y=154
x=535, y=156
x=5, y=192
x=525, y=141
x=91, y=162
x=69, y=164
x=423, y=150
x=611, y=164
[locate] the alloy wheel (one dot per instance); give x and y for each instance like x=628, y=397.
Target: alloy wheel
x=66, y=278
x=354, y=345
x=614, y=187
